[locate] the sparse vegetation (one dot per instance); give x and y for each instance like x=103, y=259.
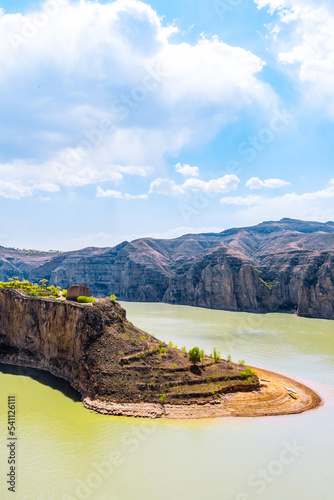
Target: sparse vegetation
x=32, y=289
x=162, y=350
x=216, y=355
x=163, y=398
x=247, y=373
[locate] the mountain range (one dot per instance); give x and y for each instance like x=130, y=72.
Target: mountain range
x=276, y=266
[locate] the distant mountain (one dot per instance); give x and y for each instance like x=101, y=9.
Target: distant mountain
x=284, y=266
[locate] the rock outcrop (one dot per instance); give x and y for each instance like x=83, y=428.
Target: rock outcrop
x=104, y=357
x=284, y=266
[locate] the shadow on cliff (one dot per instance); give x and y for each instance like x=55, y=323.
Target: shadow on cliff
x=44, y=378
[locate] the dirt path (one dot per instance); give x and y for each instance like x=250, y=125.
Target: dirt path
x=271, y=399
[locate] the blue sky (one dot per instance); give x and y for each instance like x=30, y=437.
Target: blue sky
x=126, y=119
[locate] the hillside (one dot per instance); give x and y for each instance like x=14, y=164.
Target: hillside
x=284, y=266
x=105, y=357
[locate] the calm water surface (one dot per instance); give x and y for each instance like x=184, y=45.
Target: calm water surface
x=66, y=452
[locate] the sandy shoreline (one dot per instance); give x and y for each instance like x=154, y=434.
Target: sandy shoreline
x=271, y=399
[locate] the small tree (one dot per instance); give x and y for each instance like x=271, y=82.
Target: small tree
x=194, y=355
x=201, y=355
x=216, y=355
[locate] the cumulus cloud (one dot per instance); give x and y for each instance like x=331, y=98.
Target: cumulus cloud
x=221, y=185
x=16, y=190
x=109, y=193
x=307, y=44
x=166, y=186
x=316, y=205
x=170, y=188
x=187, y=170
x=256, y=183
x=154, y=96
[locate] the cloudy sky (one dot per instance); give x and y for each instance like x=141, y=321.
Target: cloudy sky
x=125, y=119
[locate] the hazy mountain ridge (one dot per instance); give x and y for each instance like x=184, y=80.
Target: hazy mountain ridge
x=284, y=266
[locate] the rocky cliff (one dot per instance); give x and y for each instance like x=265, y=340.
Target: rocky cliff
x=284, y=266
x=103, y=356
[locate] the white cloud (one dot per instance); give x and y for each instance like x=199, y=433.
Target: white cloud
x=306, y=43
x=221, y=185
x=166, y=186
x=170, y=188
x=109, y=193
x=256, y=183
x=154, y=96
x=16, y=190
x=187, y=170
x=317, y=205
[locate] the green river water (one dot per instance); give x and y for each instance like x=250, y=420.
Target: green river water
x=66, y=452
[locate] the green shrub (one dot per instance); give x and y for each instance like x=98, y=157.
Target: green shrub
x=201, y=355
x=248, y=372
x=85, y=300
x=229, y=358
x=32, y=289
x=194, y=355
x=162, y=350
x=170, y=344
x=174, y=365
x=143, y=337
x=216, y=355
x=163, y=398
x=241, y=361
x=64, y=293
x=113, y=299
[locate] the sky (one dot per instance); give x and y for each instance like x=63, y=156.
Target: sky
x=123, y=119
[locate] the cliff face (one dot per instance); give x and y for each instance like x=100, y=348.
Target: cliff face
x=104, y=356
x=284, y=266
x=37, y=333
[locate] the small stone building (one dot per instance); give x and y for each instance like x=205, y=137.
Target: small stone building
x=76, y=291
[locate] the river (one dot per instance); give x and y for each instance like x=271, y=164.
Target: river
x=66, y=452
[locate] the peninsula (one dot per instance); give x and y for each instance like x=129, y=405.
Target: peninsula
x=120, y=370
